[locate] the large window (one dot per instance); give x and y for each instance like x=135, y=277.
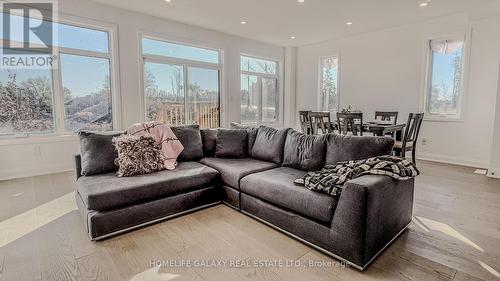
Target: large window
x=328, y=88
x=181, y=83
x=445, y=78
x=74, y=95
x=259, y=90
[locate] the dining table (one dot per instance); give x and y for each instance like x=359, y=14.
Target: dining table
x=380, y=128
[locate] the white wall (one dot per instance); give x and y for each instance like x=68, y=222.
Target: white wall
x=25, y=158
x=385, y=70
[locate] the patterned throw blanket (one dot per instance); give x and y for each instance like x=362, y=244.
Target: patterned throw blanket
x=333, y=177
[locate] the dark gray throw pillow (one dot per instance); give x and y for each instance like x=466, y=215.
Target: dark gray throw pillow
x=97, y=151
x=252, y=134
x=304, y=152
x=269, y=144
x=209, y=140
x=346, y=148
x=190, y=137
x=231, y=143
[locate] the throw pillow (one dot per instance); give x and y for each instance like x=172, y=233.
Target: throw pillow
x=97, y=152
x=231, y=143
x=252, y=134
x=346, y=148
x=209, y=140
x=190, y=138
x=304, y=152
x=138, y=155
x=269, y=144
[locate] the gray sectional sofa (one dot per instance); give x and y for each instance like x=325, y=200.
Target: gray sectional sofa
x=370, y=213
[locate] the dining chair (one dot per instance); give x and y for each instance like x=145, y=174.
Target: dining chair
x=410, y=136
x=387, y=116
x=350, y=122
x=305, y=122
x=321, y=121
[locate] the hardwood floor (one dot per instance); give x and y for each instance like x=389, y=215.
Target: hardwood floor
x=455, y=235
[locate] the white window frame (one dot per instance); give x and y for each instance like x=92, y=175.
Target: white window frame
x=320, y=79
x=56, y=79
x=279, y=116
x=184, y=63
x=427, y=72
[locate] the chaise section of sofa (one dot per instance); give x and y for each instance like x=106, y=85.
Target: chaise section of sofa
x=111, y=204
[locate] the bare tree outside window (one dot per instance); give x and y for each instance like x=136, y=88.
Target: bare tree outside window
x=328, y=84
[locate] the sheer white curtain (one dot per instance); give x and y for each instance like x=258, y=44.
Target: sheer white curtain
x=446, y=46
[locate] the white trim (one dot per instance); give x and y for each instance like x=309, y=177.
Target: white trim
x=38, y=170
x=461, y=161
x=427, y=74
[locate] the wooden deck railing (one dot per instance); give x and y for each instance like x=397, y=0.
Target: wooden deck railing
x=204, y=114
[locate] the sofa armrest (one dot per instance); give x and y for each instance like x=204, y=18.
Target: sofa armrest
x=78, y=165
x=372, y=210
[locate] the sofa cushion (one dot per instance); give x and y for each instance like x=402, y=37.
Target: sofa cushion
x=345, y=148
x=231, y=143
x=107, y=191
x=304, y=152
x=98, y=153
x=190, y=137
x=252, y=134
x=269, y=144
x=209, y=141
x=232, y=170
x=276, y=186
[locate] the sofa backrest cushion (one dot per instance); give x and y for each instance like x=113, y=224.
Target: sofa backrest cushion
x=269, y=144
x=97, y=152
x=304, y=152
x=346, y=148
x=231, y=143
x=190, y=137
x=252, y=134
x=209, y=141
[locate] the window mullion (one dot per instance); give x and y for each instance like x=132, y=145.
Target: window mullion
x=186, y=92
x=58, y=97
x=259, y=86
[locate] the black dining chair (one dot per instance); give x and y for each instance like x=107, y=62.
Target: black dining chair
x=387, y=116
x=350, y=122
x=410, y=136
x=321, y=121
x=305, y=122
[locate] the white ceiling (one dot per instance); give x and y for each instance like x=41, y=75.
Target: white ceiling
x=275, y=21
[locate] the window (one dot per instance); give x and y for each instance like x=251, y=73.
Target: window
x=75, y=95
x=259, y=90
x=328, y=95
x=181, y=83
x=445, y=75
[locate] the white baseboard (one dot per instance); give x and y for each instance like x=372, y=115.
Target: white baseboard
x=470, y=162
x=23, y=172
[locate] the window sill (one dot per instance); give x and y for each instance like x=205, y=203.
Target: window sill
x=438, y=118
x=37, y=139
